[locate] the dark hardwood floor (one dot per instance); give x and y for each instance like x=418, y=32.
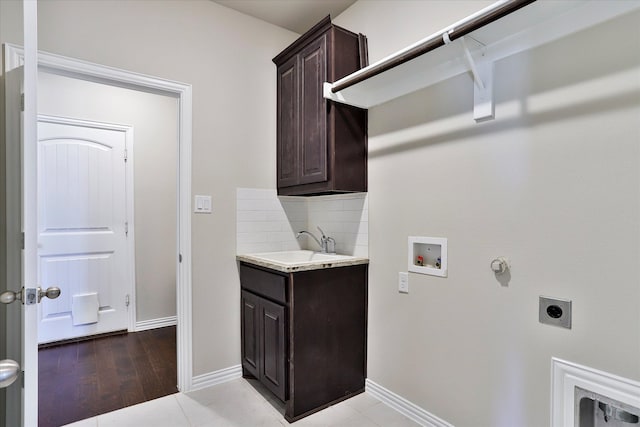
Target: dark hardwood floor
x=84, y=379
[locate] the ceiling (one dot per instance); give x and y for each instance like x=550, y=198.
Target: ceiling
x=294, y=15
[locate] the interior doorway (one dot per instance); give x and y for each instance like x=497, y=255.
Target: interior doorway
x=138, y=213
x=82, y=70
x=149, y=225
x=183, y=93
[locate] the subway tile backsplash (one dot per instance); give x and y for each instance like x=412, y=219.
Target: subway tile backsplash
x=262, y=225
x=344, y=217
x=268, y=223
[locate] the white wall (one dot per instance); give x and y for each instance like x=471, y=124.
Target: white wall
x=155, y=155
x=11, y=22
x=553, y=183
x=226, y=56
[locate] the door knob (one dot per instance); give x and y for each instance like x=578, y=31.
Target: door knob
x=51, y=292
x=7, y=297
x=9, y=371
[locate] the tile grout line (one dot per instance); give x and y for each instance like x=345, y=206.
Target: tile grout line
x=182, y=409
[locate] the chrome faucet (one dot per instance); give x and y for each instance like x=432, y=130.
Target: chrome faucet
x=327, y=244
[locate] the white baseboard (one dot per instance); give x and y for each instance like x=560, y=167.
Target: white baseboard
x=216, y=377
x=161, y=322
x=402, y=405
x=398, y=403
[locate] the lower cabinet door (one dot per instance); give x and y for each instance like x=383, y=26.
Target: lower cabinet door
x=250, y=319
x=273, y=345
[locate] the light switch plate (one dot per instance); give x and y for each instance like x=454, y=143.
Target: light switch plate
x=403, y=283
x=202, y=204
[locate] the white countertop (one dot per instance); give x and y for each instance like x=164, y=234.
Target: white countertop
x=301, y=260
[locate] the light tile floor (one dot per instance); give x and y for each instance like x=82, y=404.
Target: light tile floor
x=242, y=403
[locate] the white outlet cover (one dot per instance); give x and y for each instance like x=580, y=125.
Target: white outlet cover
x=403, y=282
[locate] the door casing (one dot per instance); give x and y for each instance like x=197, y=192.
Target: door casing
x=83, y=70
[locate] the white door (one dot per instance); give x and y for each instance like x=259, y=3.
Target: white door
x=19, y=396
x=83, y=228
x=12, y=313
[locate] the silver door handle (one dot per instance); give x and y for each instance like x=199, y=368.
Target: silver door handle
x=52, y=292
x=7, y=297
x=9, y=372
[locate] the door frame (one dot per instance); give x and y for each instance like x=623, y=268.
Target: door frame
x=129, y=200
x=84, y=70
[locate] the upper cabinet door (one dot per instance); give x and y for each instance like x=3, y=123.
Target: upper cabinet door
x=288, y=147
x=321, y=145
x=313, y=112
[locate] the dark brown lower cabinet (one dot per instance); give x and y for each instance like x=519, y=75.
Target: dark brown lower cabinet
x=264, y=342
x=250, y=333
x=304, y=334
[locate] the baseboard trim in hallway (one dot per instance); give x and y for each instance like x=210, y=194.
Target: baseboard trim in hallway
x=161, y=322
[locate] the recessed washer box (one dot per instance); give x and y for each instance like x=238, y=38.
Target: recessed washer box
x=428, y=255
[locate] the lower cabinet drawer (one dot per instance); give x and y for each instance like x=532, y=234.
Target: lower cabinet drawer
x=264, y=283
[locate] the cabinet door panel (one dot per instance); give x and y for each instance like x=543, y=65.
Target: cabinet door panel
x=250, y=333
x=288, y=145
x=313, y=113
x=273, y=348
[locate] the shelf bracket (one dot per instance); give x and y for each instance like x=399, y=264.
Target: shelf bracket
x=482, y=71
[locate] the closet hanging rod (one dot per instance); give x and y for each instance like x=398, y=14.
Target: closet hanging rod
x=455, y=31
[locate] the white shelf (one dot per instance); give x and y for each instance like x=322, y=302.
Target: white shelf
x=533, y=25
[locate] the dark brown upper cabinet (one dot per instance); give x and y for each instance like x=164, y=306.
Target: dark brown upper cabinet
x=321, y=145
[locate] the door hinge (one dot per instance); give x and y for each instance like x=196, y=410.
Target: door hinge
x=180, y=258
x=22, y=102
x=126, y=228
x=22, y=240
x=127, y=300
x=126, y=155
